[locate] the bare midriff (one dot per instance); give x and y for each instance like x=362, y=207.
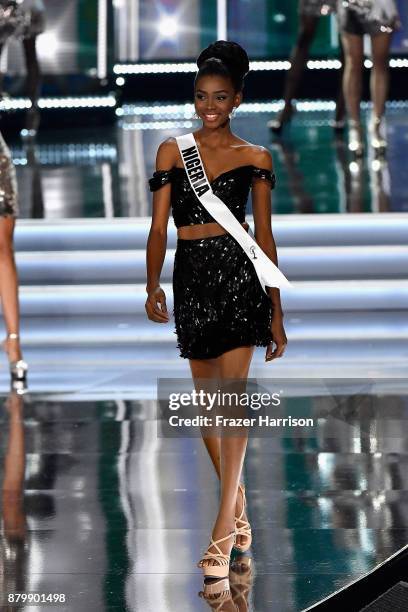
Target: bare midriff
x=203, y=230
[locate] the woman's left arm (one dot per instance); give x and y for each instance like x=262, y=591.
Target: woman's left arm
x=262, y=213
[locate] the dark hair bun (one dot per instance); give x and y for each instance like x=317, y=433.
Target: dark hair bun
x=231, y=54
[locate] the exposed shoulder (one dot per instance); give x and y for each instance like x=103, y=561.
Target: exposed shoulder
x=167, y=154
x=257, y=155
x=261, y=157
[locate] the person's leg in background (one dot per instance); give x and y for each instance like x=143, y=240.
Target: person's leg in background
x=33, y=83
x=339, y=118
x=298, y=59
x=9, y=289
x=352, y=87
x=379, y=86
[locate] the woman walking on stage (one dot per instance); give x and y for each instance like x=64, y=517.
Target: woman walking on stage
x=220, y=308
x=25, y=20
x=8, y=271
x=310, y=12
x=378, y=18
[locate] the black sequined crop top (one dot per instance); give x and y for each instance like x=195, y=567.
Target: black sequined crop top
x=232, y=187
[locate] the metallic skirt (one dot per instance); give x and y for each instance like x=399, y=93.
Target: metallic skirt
x=8, y=183
x=23, y=19
x=372, y=17
x=219, y=303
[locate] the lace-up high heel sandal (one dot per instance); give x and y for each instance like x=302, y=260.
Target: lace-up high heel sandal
x=378, y=137
x=216, y=593
x=241, y=581
x=220, y=567
x=19, y=368
x=242, y=527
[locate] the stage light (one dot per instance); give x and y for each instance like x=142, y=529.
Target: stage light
x=334, y=64
x=120, y=81
x=186, y=110
x=354, y=167
x=157, y=125
x=168, y=27
x=279, y=65
x=398, y=62
x=14, y=104
x=47, y=44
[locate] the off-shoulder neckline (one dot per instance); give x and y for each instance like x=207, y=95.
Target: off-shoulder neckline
x=227, y=171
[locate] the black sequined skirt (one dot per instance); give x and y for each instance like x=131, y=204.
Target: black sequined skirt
x=219, y=303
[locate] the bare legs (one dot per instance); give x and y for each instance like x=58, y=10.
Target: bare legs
x=33, y=81
x=298, y=61
x=9, y=286
x=353, y=72
x=379, y=85
x=226, y=452
x=379, y=79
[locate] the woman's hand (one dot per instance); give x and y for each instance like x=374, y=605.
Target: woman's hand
x=157, y=297
x=278, y=336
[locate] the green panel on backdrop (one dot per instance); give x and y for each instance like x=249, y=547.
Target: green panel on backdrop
x=208, y=22
x=87, y=25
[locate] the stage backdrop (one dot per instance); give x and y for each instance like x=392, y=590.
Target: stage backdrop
x=146, y=30
x=179, y=29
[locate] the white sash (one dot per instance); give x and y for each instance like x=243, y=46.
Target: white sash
x=269, y=275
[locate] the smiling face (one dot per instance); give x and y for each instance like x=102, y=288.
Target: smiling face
x=214, y=99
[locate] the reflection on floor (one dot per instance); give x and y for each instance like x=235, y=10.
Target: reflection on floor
x=87, y=174
x=96, y=506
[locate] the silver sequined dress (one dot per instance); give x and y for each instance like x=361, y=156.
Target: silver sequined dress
x=8, y=183
x=372, y=17
x=21, y=19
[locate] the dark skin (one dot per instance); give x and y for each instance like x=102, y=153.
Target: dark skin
x=9, y=288
x=220, y=150
x=307, y=32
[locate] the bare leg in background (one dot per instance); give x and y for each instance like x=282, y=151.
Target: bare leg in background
x=353, y=73
x=9, y=286
x=33, y=82
x=298, y=60
x=379, y=78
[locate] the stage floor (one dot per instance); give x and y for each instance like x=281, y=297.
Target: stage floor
x=83, y=173
x=96, y=506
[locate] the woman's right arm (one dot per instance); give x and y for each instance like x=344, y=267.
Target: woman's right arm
x=157, y=239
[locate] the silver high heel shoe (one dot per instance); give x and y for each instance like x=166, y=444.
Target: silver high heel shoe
x=355, y=139
x=19, y=368
x=378, y=137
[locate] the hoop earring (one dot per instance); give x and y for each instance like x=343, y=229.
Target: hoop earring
x=194, y=115
x=232, y=113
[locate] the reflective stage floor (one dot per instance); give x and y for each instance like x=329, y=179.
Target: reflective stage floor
x=96, y=506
